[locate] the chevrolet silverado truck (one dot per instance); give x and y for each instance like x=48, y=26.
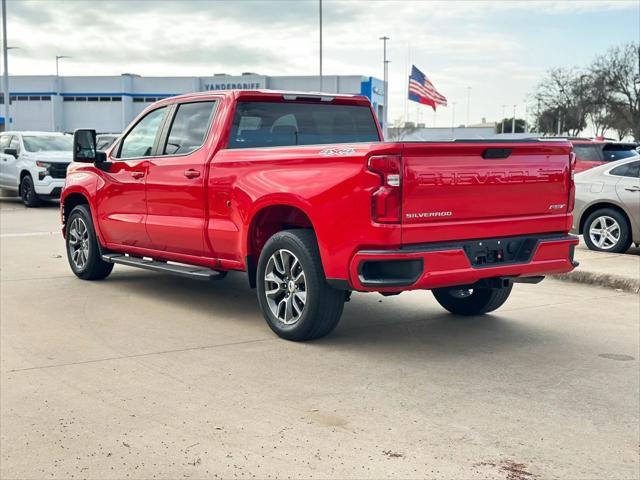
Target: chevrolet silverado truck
x=301, y=192
x=34, y=164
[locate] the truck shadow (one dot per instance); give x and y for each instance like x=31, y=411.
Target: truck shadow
x=398, y=325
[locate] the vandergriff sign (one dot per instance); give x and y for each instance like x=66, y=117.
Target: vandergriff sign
x=227, y=82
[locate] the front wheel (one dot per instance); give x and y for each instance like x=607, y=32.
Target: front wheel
x=28, y=192
x=471, y=301
x=83, y=252
x=294, y=296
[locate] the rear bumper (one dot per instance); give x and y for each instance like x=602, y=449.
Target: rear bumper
x=427, y=266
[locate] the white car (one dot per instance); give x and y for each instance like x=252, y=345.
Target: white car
x=34, y=164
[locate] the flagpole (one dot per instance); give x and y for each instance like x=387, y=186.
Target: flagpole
x=385, y=112
x=408, y=72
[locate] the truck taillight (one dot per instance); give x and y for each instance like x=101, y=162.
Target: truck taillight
x=386, y=201
x=572, y=184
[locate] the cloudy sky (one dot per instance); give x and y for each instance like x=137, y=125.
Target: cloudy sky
x=500, y=49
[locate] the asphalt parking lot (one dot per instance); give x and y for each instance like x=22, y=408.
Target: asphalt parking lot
x=145, y=375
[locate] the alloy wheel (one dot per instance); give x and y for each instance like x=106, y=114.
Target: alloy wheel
x=79, y=243
x=26, y=191
x=605, y=232
x=285, y=286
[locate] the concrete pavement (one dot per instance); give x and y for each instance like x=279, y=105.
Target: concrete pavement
x=610, y=270
x=145, y=375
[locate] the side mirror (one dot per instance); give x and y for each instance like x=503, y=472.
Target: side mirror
x=11, y=151
x=84, y=147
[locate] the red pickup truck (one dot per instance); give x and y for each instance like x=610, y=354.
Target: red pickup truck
x=300, y=191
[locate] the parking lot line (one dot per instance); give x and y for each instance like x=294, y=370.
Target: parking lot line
x=27, y=234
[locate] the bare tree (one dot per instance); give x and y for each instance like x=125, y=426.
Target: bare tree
x=619, y=70
x=398, y=133
x=565, y=92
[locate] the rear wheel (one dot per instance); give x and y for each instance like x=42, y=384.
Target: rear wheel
x=607, y=230
x=295, y=298
x=83, y=252
x=471, y=301
x=28, y=192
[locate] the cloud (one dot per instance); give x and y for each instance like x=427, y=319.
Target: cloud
x=459, y=44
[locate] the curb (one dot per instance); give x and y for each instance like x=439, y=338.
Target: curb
x=617, y=282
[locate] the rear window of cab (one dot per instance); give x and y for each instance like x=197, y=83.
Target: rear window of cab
x=271, y=124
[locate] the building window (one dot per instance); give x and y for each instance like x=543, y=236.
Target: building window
x=116, y=99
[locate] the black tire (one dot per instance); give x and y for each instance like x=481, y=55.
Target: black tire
x=323, y=307
x=593, y=220
x=475, y=301
x=94, y=268
x=28, y=192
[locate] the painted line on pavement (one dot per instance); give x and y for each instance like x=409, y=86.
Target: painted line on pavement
x=27, y=234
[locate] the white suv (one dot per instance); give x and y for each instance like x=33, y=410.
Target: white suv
x=34, y=164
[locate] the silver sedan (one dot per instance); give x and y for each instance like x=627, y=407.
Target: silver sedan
x=607, y=210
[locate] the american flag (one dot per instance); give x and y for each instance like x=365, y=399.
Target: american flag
x=421, y=90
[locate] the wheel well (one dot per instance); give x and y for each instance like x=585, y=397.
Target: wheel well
x=23, y=174
x=264, y=225
x=599, y=206
x=70, y=202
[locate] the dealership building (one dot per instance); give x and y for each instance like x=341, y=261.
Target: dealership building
x=109, y=103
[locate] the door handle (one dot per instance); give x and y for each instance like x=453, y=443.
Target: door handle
x=137, y=174
x=191, y=173
x=633, y=189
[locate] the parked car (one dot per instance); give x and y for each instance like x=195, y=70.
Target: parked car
x=105, y=140
x=299, y=191
x=607, y=210
x=591, y=153
x=34, y=164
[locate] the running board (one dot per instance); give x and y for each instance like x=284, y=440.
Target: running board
x=197, y=273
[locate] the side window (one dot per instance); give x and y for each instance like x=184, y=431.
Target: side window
x=628, y=170
x=139, y=141
x=189, y=127
x=4, y=142
x=15, y=143
x=588, y=153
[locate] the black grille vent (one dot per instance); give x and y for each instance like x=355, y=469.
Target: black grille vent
x=58, y=170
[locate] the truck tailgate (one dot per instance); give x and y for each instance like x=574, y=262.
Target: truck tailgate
x=481, y=189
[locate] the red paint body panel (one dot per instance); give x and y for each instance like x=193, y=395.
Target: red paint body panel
x=211, y=219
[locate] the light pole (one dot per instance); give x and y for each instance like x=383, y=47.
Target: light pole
x=320, y=19
x=513, y=120
x=453, y=117
x=5, y=52
x=560, y=114
x=58, y=57
x=468, y=104
x=7, y=95
x=503, y=109
x=385, y=115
